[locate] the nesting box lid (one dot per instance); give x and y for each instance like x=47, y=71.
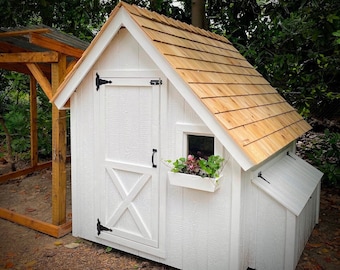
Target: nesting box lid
x=290, y=181
x=250, y=118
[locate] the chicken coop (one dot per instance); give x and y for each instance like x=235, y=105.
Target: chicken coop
x=145, y=89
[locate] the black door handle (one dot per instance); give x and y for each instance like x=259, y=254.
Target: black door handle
x=152, y=158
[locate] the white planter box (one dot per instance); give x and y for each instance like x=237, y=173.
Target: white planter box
x=194, y=181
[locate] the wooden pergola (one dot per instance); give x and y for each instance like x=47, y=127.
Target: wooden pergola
x=46, y=55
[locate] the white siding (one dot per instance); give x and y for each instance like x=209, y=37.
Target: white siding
x=124, y=53
x=306, y=222
x=278, y=218
x=83, y=127
x=197, y=223
x=82, y=158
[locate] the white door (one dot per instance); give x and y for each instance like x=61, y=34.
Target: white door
x=129, y=194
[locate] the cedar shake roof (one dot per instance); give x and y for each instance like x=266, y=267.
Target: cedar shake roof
x=250, y=110
x=253, y=113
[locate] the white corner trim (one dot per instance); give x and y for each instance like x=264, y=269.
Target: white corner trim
x=235, y=218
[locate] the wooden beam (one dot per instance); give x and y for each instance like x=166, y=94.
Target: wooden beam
x=34, y=121
x=29, y=57
x=67, y=104
x=16, y=174
x=24, y=32
x=64, y=229
x=58, y=148
x=68, y=70
x=38, y=225
x=51, y=44
x=26, y=171
x=42, y=80
x=71, y=65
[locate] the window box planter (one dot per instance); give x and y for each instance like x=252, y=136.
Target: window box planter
x=194, y=181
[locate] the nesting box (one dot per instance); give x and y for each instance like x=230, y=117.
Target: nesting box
x=149, y=89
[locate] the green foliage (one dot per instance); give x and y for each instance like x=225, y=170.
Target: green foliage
x=179, y=165
x=82, y=18
x=18, y=124
x=211, y=166
x=295, y=45
x=202, y=167
x=323, y=152
x=14, y=103
x=108, y=249
x=15, y=110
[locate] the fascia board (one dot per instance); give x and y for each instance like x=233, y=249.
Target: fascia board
x=187, y=93
x=89, y=58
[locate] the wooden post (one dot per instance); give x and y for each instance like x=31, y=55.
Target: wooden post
x=34, y=117
x=58, y=149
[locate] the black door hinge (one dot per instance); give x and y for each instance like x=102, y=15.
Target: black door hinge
x=101, y=227
x=100, y=81
x=156, y=82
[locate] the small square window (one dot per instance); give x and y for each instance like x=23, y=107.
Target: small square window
x=200, y=146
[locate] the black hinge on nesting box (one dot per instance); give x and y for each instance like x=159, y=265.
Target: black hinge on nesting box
x=156, y=82
x=100, y=81
x=101, y=227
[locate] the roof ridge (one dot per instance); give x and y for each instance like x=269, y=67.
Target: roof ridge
x=154, y=16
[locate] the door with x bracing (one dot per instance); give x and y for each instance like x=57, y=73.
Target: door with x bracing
x=128, y=200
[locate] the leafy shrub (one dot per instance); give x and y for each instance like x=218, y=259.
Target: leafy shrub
x=15, y=110
x=323, y=152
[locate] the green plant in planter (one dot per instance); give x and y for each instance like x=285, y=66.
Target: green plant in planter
x=198, y=166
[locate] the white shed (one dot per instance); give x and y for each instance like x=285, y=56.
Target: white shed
x=146, y=86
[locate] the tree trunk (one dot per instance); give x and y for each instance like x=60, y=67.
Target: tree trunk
x=198, y=13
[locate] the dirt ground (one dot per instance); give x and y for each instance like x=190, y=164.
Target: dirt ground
x=23, y=248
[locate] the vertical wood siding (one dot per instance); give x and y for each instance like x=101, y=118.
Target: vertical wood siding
x=198, y=223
